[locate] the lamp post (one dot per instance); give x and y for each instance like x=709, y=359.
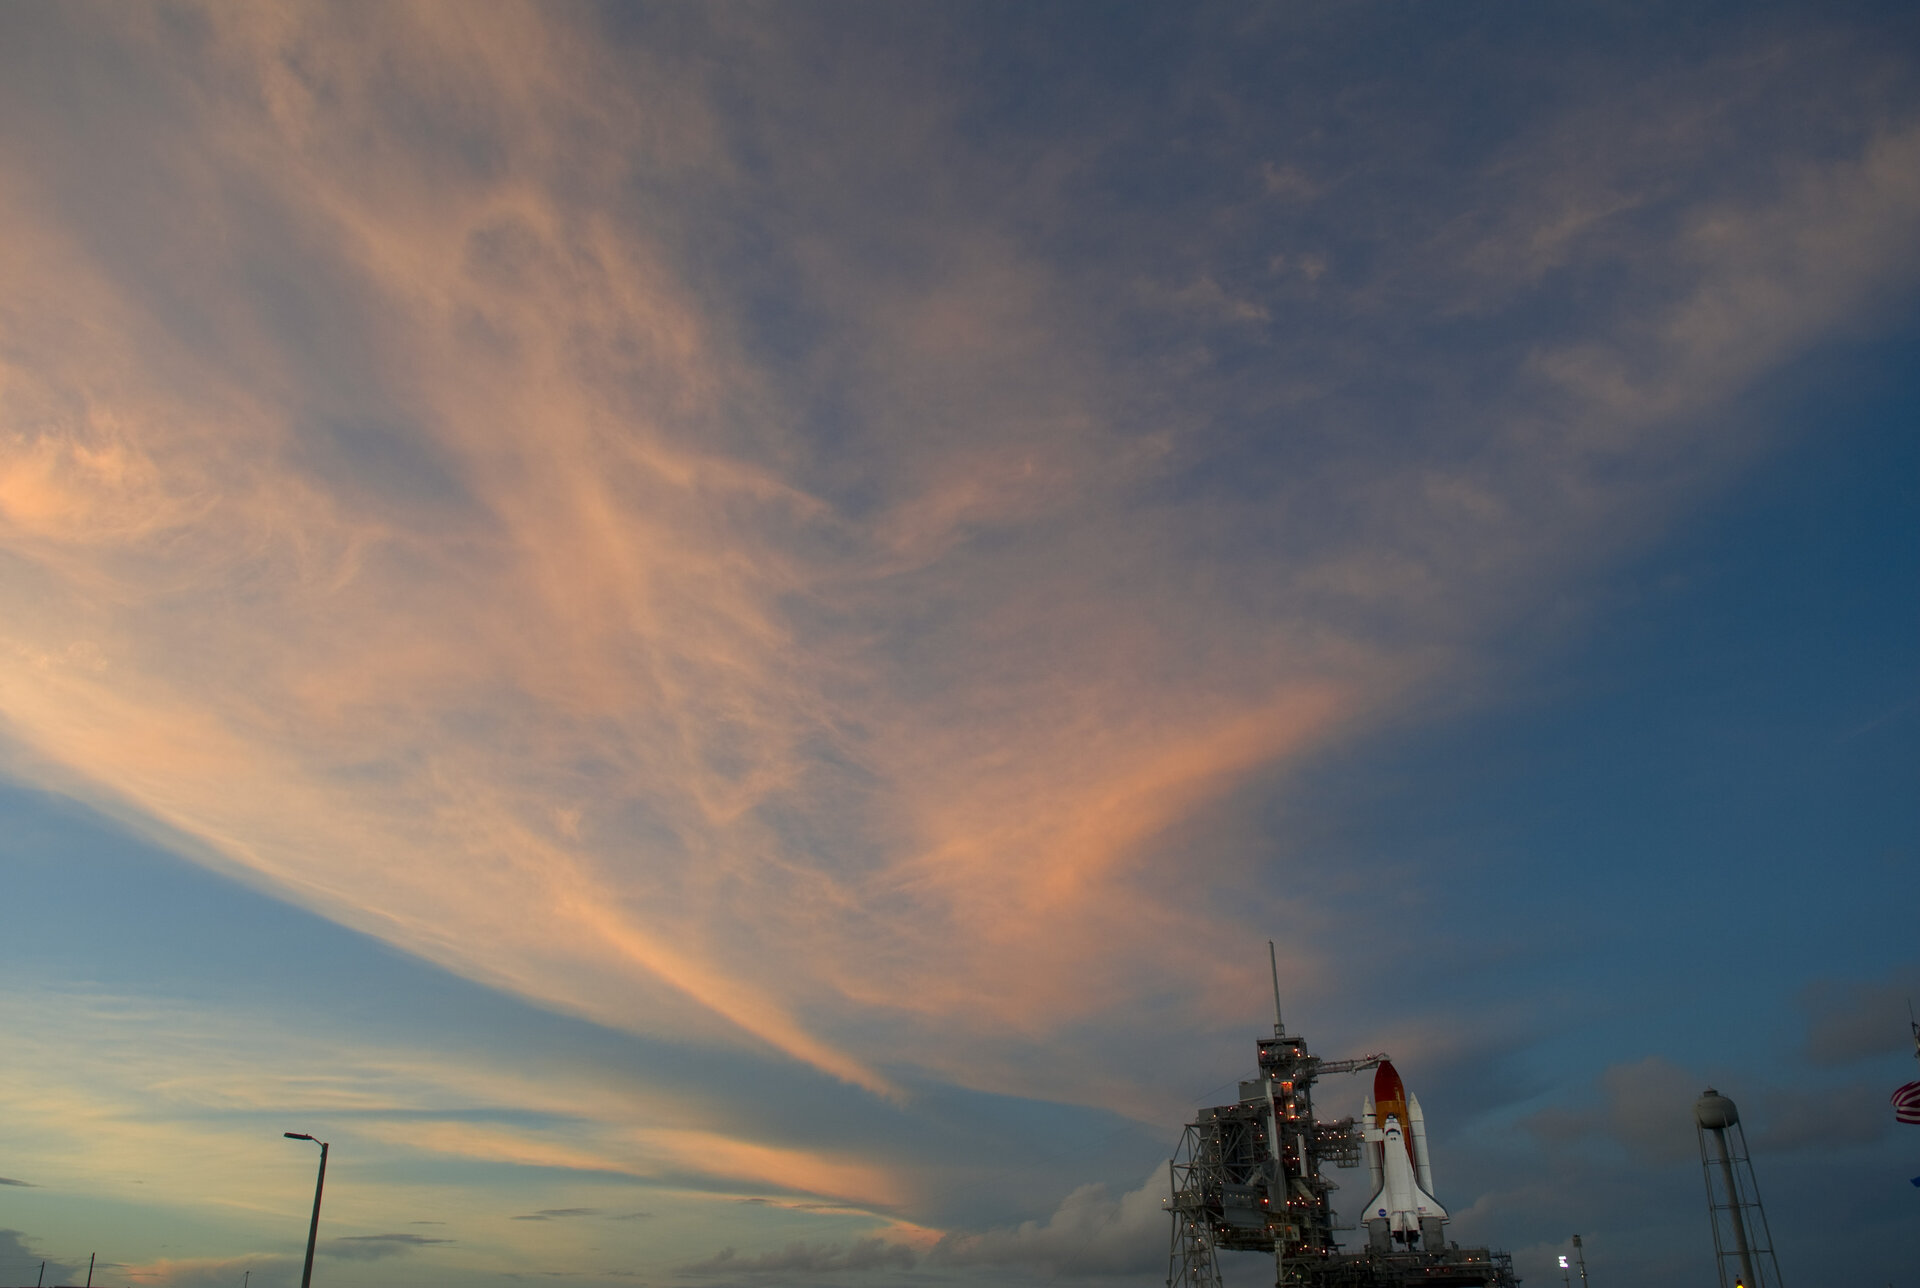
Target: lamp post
x=313, y=1230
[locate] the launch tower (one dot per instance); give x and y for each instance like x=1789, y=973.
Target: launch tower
x=1246, y=1178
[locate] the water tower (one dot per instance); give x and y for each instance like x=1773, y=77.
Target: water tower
x=1740, y=1234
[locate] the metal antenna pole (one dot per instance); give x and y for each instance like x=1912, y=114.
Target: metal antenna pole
x=1580, y=1253
x=1273, y=963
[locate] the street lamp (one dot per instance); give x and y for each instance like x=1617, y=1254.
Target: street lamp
x=313, y=1231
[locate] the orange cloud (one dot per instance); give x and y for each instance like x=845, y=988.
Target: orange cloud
x=425, y=537
x=717, y=1154
x=665, y=1152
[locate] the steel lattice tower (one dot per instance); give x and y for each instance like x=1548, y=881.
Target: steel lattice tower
x=1246, y=1178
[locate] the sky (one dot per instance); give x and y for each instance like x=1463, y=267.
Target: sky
x=713, y=637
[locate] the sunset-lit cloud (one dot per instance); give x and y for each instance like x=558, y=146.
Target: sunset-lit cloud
x=695, y=522
x=477, y=582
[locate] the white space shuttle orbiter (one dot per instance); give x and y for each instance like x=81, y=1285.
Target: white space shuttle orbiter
x=1402, y=1209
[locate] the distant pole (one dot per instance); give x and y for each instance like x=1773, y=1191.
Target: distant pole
x=1566, y=1275
x=313, y=1230
x=1580, y=1255
x=41, y=1282
x=244, y=1278
x=90, y=1257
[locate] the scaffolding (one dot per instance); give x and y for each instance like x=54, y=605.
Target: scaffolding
x=1246, y=1178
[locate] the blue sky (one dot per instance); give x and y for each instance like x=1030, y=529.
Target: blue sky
x=713, y=637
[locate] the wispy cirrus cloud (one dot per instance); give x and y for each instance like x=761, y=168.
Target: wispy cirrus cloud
x=421, y=509
x=125, y=1092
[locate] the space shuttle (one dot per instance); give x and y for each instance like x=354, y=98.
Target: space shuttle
x=1402, y=1210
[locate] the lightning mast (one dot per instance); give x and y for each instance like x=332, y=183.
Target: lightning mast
x=1246, y=1176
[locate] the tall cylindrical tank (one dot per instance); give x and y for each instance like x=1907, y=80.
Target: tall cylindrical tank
x=1714, y=1111
x=1715, y=1114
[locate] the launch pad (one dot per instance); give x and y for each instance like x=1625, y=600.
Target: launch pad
x=1246, y=1177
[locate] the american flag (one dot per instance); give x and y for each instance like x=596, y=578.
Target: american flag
x=1906, y=1103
